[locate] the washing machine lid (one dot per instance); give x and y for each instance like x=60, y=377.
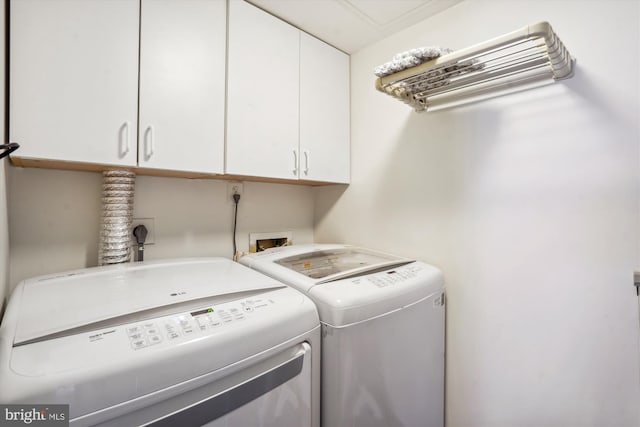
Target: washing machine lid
x=349, y=284
x=364, y=297
x=82, y=300
x=308, y=265
x=327, y=265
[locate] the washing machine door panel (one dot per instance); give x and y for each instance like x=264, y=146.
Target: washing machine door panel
x=275, y=392
x=387, y=371
x=288, y=404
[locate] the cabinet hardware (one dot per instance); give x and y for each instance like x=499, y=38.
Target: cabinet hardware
x=124, y=139
x=149, y=147
x=295, y=162
x=306, y=162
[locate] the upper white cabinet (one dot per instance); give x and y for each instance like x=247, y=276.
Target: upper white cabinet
x=182, y=85
x=144, y=84
x=74, y=80
x=324, y=112
x=262, y=94
x=288, y=101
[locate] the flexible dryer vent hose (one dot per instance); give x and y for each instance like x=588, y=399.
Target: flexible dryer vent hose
x=118, y=188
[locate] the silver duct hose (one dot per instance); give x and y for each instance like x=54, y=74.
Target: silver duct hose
x=118, y=187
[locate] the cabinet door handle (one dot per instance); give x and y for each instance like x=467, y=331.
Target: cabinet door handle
x=295, y=162
x=124, y=139
x=148, y=142
x=306, y=161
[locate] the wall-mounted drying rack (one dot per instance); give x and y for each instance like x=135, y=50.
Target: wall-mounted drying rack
x=7, y=149
x=515, y=61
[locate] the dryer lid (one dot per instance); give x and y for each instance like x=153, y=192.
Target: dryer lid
x=69, y=303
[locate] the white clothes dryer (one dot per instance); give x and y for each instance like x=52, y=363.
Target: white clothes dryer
x=382, y=332
x=186, y=342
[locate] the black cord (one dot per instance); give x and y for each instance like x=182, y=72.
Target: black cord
x=140, y=233
x=236, y=199
x=10, y=148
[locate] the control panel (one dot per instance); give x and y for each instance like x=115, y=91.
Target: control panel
x=206, y=320
x=391, y=277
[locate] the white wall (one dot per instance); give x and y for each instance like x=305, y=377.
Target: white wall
x=4, y=226
x=4, y=237
x=528, y=203
x=55, y=216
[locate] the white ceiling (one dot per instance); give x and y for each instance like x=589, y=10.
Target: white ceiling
x=350, y=25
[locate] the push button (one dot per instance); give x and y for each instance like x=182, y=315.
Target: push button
x=154, y=339
x=138, y=344
x=136, y=336
x=132, y=330
x=214, y=321
x=203, y=322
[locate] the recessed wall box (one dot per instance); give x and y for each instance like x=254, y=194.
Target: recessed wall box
x=261, y=241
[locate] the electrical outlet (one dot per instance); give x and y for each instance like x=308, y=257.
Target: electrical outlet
x=151, y=230
x=234, y=187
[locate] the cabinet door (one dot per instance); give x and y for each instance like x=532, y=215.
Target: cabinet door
x=182, y=85
x=324, y=112
x=263, y=88
x=74, y=80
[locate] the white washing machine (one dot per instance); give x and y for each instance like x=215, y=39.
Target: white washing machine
x=382, y=332
x=176, y=343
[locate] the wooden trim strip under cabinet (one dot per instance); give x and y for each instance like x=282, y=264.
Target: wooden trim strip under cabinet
x=96, y=167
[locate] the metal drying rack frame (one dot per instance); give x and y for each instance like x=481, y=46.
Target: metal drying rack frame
x=514, y=61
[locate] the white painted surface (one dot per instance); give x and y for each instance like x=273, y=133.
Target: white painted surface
x=54, y=217
x=262, y=95
x=4, y=237
x=324, y=112
x=528, y=204
x=4, y=224
x=182, y=85
x=351, y=25
x=74, y=80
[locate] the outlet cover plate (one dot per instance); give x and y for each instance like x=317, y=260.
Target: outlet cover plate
x=234, y=187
